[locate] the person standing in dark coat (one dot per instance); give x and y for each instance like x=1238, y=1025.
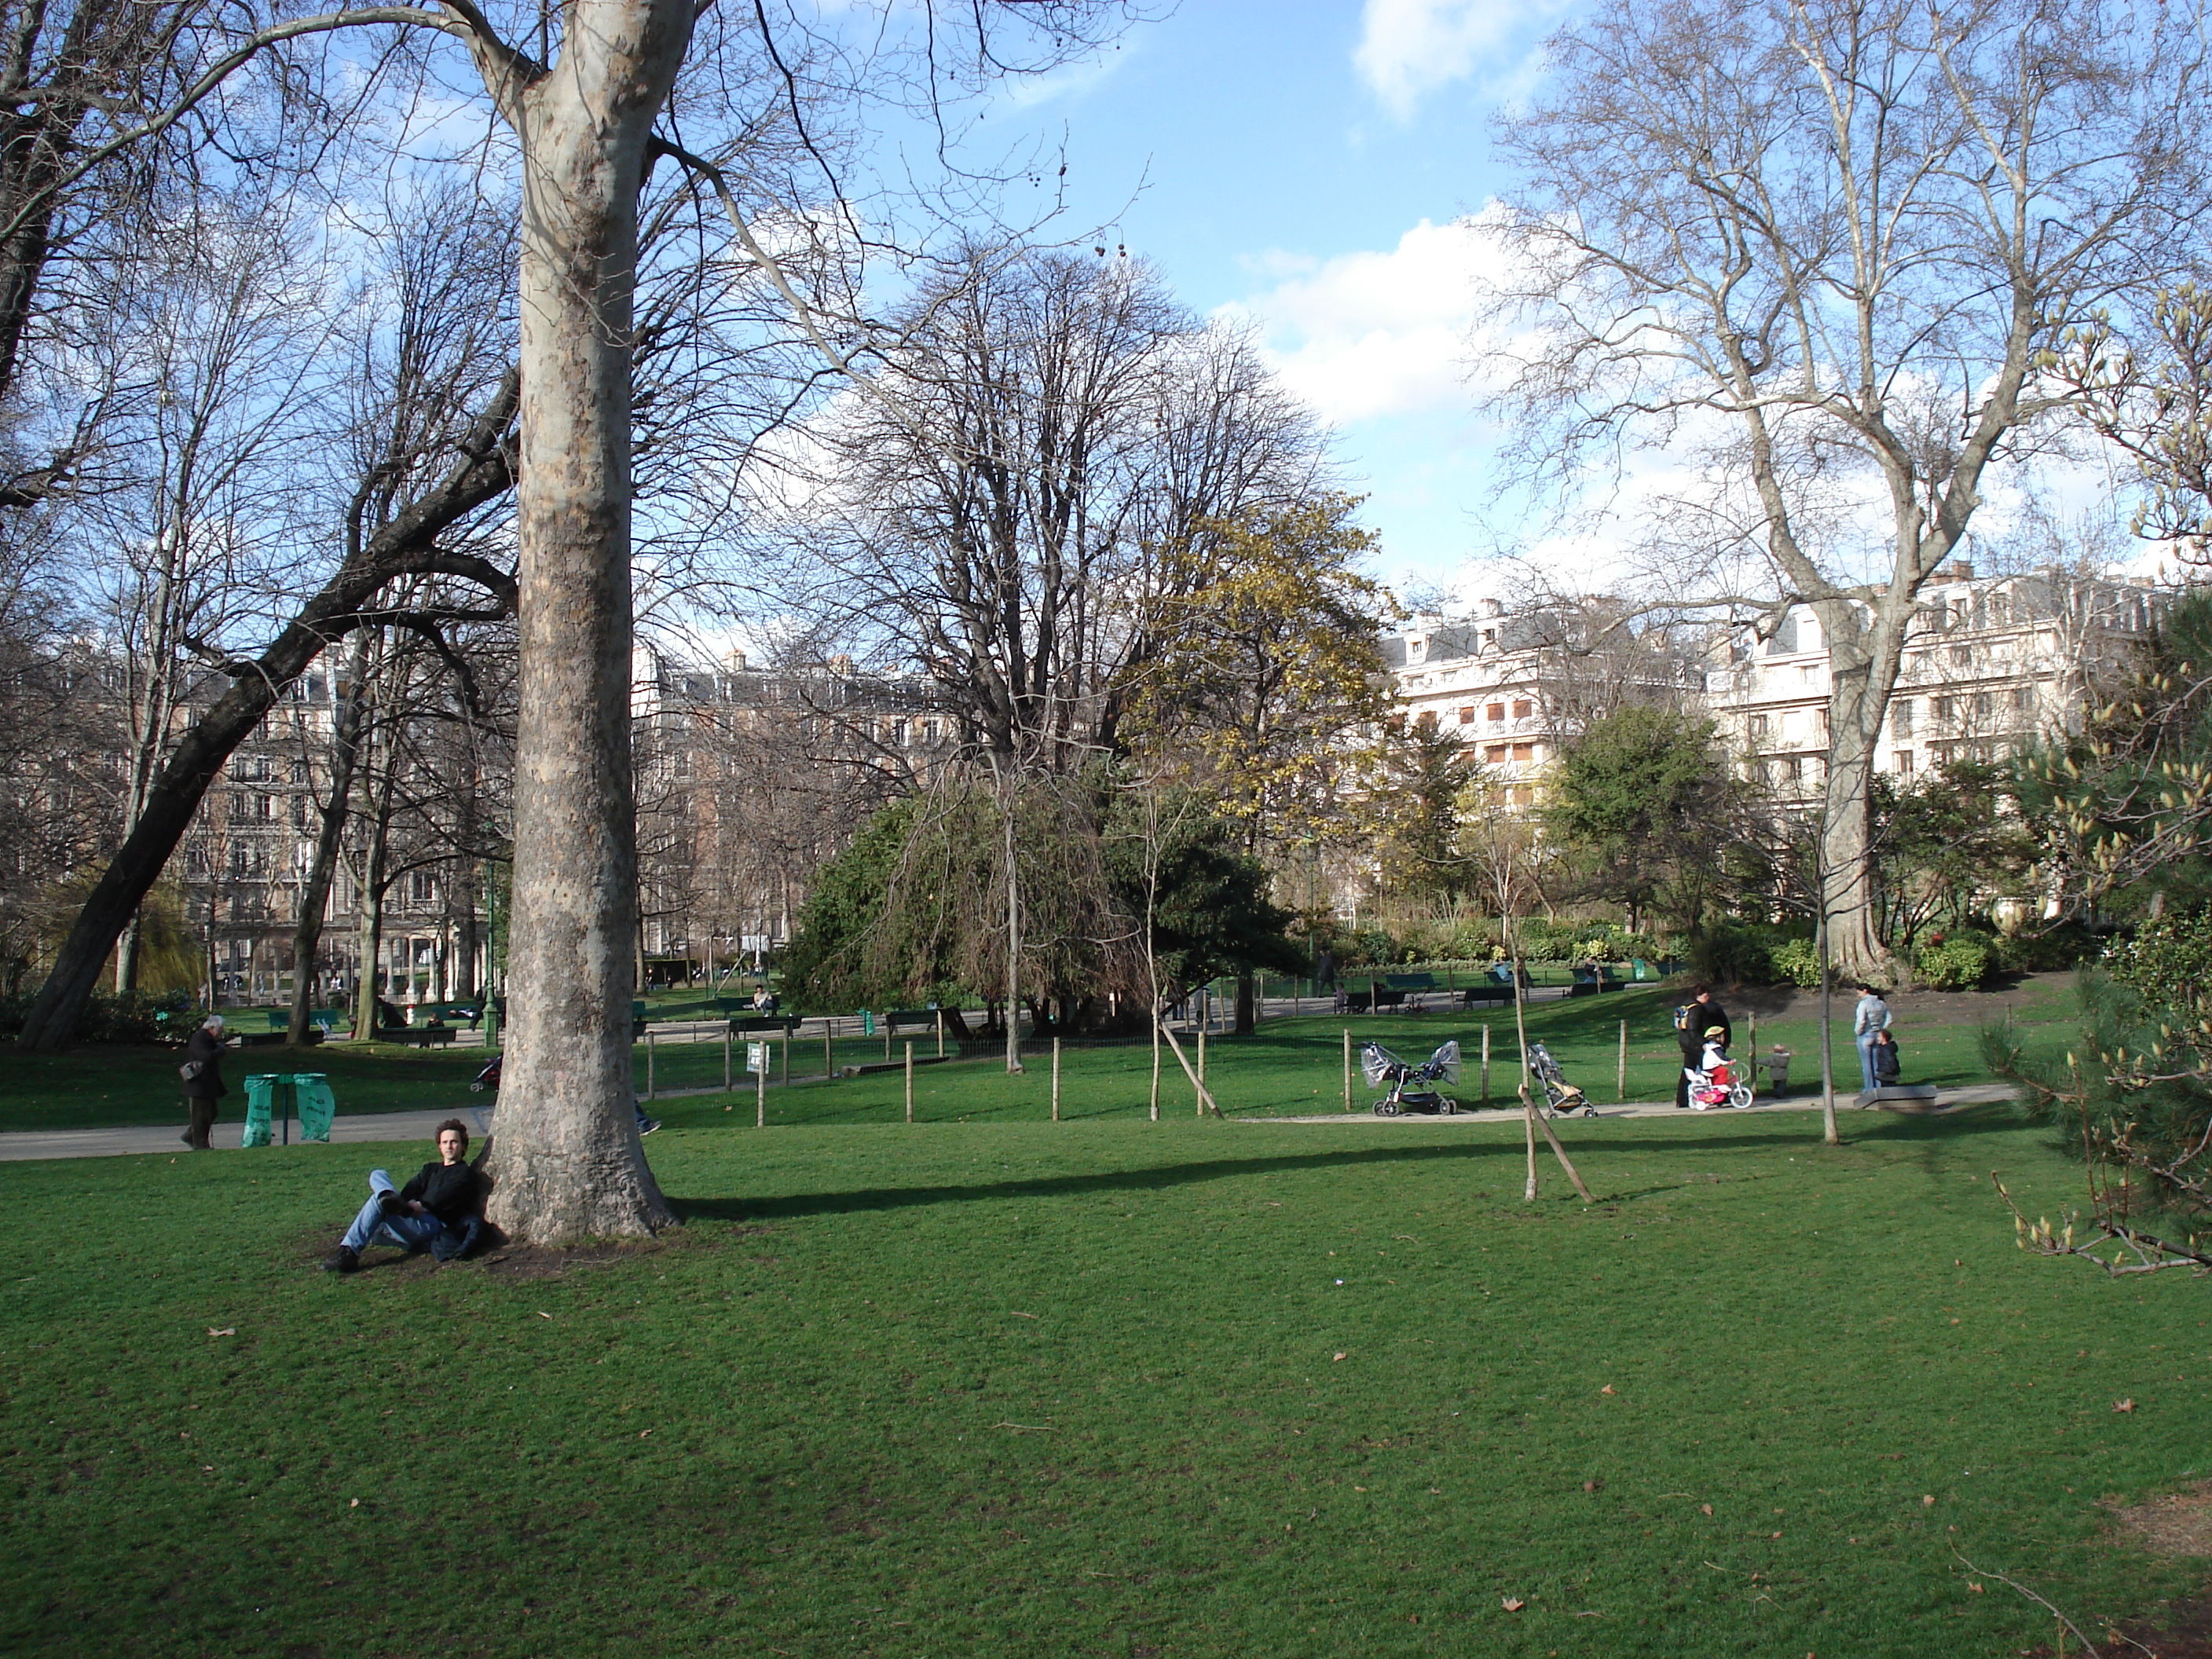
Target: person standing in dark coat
x=1703, y=1013
x=203, y=1056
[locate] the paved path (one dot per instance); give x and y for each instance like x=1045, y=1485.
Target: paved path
x=146, y=1139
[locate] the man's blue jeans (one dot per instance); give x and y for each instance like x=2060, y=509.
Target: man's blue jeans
x=408, y=1232
x=1866, y=1060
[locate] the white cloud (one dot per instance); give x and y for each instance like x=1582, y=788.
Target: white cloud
x=1409, y=48
x=1374, y=334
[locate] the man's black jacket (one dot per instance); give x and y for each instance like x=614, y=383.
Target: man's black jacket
x=451, y=1191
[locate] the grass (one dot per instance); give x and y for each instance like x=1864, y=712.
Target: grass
x=1293, y=1066
x=1103, y=1386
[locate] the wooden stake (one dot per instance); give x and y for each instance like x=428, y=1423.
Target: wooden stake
x=1055, y=1079
x=909, y=1082
x=783, y=1054
x=1486, y=1064
x=1202, y=1071
x=1540, y=1122
x=1620, y=1084
x=650, y=1046
x=1528, y=1112
x=940, y=1033
x=1347, y=1068
x=729, y=1043
x=1753, y=1053
x=760, y=1090
x=828, y=1061
x=1155, y=1113
x=887, y=1036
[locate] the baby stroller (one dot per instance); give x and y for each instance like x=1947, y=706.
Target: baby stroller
x=1561, y=1098
x=1717, y=1081
x=1408, y=1092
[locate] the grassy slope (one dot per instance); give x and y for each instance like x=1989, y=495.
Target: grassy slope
x=822, y=1421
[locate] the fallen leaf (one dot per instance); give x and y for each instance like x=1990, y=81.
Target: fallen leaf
x=1775, y=1535
x=1511, y=1603
x=2124, y=1405
x=353, y=1503
x=641, y=1433
x=1706, y=1507
x=545, y=1315
x=1977, y=1589
x=1018, y=1314
x=1592, y=1485
x=1927, y=1502
x=1338, y=1357
x=1608, y=1388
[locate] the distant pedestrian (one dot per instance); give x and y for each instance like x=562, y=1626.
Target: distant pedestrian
x=1700, y=1014
x=1868, y=1020
x=203, y=1085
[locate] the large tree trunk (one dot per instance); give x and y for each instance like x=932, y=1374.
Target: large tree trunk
x=314, y=895
x=567, y=1161
x=1864, y=658
x=409, y=542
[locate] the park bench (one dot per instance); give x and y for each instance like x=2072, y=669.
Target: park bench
x=1373, y=999
x=417, y=1036
x=897, y=1017
x=1587, y=983
x=263, y=1027
x=740, y=1024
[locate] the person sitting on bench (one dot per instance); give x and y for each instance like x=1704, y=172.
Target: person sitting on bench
x=1884, y=1059
x=440, y=1211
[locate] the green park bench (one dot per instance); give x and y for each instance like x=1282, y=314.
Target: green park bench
x=417, y=1036
x=924, y=1018
x=741, y=1024
x=1589, y=983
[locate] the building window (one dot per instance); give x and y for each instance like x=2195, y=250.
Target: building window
x=1900, y=718
x=1521, y=795
x=1903, y=764
x=1807, y=673
x=2023, y=699
x=1524, y=752
x=1466, y=717
x=1946, y=710
x=1758, y=727
x=1961, y=655
x=1985, y=704
x=1495, y=714
x=1426, y=720
x=1522, y=708
x=1495, y=754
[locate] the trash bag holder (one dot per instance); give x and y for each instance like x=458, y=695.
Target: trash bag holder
x=274, y=1098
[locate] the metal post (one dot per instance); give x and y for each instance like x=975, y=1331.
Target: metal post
x=909, y=1082
x=1055, y=1074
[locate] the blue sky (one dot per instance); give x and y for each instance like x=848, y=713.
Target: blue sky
x=1304, y=164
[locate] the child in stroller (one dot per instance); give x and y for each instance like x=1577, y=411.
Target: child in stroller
x=1379, y=1065
x=1714, y=1080
x=1561, y=1098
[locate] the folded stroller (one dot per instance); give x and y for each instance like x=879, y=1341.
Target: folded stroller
x=1410, y=1084
x=1561, y=1098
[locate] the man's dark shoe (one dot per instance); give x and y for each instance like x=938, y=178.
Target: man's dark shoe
x=343, y=1260
x=649, y=1125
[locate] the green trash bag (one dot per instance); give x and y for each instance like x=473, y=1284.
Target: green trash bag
x=261, y=1100
x=318, y=1106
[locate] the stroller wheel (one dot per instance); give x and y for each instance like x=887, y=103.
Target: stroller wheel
x=1589, y=1111
x=1386, y=1109
x=1447, y=1106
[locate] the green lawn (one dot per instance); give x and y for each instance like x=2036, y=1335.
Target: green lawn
x=1102, y=1387
x=1293, y=1066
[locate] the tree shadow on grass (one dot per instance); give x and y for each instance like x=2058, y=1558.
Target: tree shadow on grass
x=1162, y=1176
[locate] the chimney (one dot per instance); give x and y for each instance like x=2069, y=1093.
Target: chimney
x=735, y=661
x=1959, y=570
x=1492, y=607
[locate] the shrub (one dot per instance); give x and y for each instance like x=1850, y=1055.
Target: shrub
x=1798, y=961
x=1959, y=963
x=1726, y=954
x=2168, y=961
x=130, y=1017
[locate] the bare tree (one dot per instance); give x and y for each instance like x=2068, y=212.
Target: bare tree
x=1820, y=247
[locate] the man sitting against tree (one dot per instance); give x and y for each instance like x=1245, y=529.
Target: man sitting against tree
x=440, y=1211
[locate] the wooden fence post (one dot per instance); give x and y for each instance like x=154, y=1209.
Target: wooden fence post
x=1055, y=1079
x=650, y=1046
x=909, y=1082
x=783, y=1052
x=940, y=1033
x=1347, y=1068
x=1620, y=1081
x=760, y=1088
x=1486, y=1064
x=729, y=1043
x=829, y=1055
x=1751, y=1053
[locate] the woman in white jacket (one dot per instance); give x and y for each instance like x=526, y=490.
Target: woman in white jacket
x=1871, y=1016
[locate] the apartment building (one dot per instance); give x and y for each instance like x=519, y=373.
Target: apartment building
x=1513, y=688
x=1990, y=662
